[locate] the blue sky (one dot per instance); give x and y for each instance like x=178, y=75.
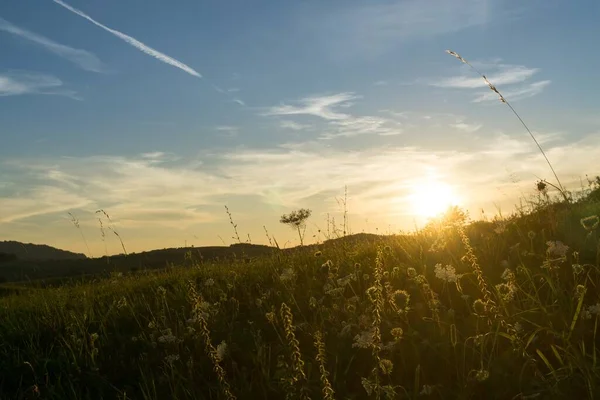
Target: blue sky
x=161, y=113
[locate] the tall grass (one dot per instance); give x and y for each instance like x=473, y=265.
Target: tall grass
x=503, y=309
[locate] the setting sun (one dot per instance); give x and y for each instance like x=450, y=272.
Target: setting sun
x=429, y=199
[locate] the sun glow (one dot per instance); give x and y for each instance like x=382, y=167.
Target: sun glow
x=432, y=198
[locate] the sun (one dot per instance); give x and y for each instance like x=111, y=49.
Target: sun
x=432, y=198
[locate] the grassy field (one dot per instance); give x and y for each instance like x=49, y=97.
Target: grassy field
x=503, y=309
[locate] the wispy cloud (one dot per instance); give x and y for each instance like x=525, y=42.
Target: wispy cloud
x=318, y=106
x=465, y=127
x=21, y=83
x=511, y=80
x=134, y=42
x=287, y=124
x=373, y=28
x=339, y=124
x=362, y=125
x=502, y=74
x=513, y=94
x=227, y=130
x=84, y=59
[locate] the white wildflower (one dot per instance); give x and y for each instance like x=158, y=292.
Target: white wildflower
x=345, y=280
x=287, y=275
x=594, y=309
x=557, y=248
x=171, y=358
x=221, y=351
x=167, y=337
x=209, y=282
x=426, y=390
x=364, y=340
x=447, y=273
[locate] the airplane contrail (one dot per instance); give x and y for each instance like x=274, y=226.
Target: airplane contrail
x=134, y=42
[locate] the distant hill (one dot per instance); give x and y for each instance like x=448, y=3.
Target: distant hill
x=37, y=252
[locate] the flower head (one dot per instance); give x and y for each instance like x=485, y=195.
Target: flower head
x=447, y=273
x=557, y=248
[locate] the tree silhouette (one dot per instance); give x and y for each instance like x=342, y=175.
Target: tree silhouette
x=297, y=220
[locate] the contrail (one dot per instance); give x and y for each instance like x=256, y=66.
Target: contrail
x=84, y=59
x=134, y=42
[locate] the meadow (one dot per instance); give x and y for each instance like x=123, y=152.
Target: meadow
x=504, y=308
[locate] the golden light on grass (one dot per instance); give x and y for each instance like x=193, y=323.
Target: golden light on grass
x=431, y=198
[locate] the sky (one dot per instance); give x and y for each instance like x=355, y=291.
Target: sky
x=161, y=113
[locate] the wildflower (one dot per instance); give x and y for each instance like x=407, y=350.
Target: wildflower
x=151, y=325
x=577, y=269
x=531, y=235
x=395, y=271
x=287, y=275
x=426, y=390
x=478, y=340
x=447, y=273
x=386, y=366
x=400, y=298
x=161, y=291
x=386, y=274
x=345, y=280
x=506, y=291
x=368, y=386
x=312, y=302
x=171, y=358
x=590, y=223
x=594, y=309
x=364, y=340
x=94, y=337
x=167, y=337
x=580, y=290
x=518, y=327
x=411, y=272
x=221, y=351
x=366, y=277
x=508, y=275
x=351, y=308
x=122, y=302
x=270, y=317
x=557, y=248
x=397, y=333
x=482, y=375
x=209, y=282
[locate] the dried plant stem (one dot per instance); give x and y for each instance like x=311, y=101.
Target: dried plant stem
x=75, y=222
x=503, y=99
x=328, y=393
